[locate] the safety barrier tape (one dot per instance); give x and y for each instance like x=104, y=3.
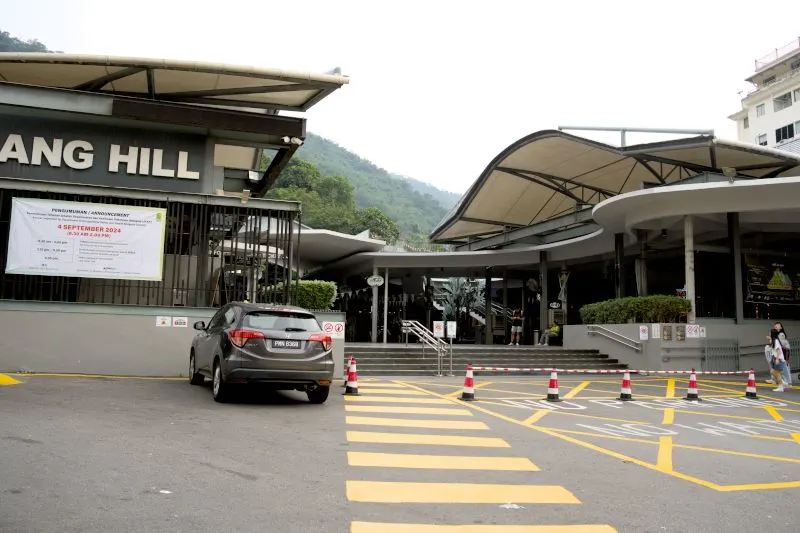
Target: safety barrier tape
x=609, y=371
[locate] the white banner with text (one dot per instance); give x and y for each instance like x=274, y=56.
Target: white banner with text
x=86, y=240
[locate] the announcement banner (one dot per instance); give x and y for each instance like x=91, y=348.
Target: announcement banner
x=86, y=240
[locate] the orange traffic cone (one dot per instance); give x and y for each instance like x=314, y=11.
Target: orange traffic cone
x=468, y=395
x=352, y=380
x=625, y=391
x=552, y=387
x=750, y=390
x=691, y=392
x=347, y=370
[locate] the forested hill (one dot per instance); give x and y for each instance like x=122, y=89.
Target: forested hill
x=9, y=43
x=408, y=202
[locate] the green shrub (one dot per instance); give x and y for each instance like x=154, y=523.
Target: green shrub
x=309, y=294
x=659, y=308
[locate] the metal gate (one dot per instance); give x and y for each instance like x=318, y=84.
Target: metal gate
x=721, y=355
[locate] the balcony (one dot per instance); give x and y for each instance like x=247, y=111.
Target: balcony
x=769, y=59
x=778, y=79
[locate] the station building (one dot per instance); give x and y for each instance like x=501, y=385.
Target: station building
x=131, y=204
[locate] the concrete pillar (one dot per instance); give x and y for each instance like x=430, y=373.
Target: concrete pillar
x=505, y=301
x=385, y=303
x=688, y=240
x=641, y=264
x=619, y=264
x=487, y=302
x=543, y=309
x=374, y=331
x=735, y=242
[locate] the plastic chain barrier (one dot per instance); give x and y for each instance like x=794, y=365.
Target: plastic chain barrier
x=610, y=371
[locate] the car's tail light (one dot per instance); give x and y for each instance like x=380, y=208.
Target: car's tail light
x=325, y=340
x=240, y=337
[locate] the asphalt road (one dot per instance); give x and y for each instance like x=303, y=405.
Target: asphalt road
x=118, y=455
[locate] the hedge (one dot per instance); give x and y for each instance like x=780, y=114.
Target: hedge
x=659, y=308
x=310, y=294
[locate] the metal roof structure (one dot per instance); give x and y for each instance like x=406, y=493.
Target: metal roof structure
x=551, y=179
x=167, y=80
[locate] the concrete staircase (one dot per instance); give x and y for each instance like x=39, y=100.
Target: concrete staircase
x=401, y=360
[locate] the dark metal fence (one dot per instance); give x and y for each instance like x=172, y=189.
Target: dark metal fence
x=212, y=254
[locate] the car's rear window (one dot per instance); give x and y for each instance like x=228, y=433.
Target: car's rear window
x=281, y=320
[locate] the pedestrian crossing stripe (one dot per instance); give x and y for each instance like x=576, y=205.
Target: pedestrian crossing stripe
x=417, y=438
x=408, y=423
x=441, y=462
x=377, y=527
x=396, y=409
x=476, y=493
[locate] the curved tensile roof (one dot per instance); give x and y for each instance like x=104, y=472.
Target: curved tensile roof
x=190, y=82
x=551, y=173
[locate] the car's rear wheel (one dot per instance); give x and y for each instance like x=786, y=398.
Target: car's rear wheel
x=219, y=387
x=318, y=395
x=194, y=377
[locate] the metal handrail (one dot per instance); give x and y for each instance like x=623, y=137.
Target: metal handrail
x=594, y=329
x=429, y=339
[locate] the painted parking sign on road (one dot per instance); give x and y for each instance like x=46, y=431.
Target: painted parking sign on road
x=334, y=329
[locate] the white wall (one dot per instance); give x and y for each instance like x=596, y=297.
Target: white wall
x=771, y=120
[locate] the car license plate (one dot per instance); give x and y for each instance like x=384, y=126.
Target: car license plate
x=282, y=343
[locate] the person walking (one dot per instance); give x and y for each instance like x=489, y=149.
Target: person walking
x=787, y=352
x=516, y=327
x=778, y=362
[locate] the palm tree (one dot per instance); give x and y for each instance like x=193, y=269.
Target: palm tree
x=460, y=296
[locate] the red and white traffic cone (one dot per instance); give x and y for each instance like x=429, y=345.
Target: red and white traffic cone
x=750, y=391
x=625, y=391
x=352, y=380
x=347, y=370
x=468, y=395
x=691, y=391
x=552, y=387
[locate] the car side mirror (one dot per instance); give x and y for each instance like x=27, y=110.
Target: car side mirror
x=200, y=326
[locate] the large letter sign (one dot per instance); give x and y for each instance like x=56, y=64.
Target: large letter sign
x=86, y=240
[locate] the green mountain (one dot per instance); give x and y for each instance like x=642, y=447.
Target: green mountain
x=408, y=202
x=8, y=43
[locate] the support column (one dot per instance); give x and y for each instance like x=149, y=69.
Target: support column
x=385, y=303
x=505, y=305
x=641, y=264
x=374, y=331
x=735, y=242
x=688, y=240
x=619, y=264
x=487, y=303
x=543, y=308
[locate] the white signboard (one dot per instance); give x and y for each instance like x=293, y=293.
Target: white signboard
x=692, y=331
x=438, y=329
x=180, y=322
x=451, y=329
x=644, y=332
x=656, y=328
x=163, y=322
x=334, y=329
x=375, y=281
x=702, y=332
x=86, y=240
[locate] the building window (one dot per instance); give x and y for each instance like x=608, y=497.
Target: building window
x=784, y=133
x=769, y=81
x=746, y=122
x=795, y=66
x=761, y=140
x=797, y=95
x=782, y=102
x=760, y=110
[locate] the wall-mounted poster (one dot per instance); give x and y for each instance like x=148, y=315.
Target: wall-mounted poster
x=771, y=281
x=86, y=240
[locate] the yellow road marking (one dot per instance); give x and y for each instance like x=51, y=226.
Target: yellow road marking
x=407, y=410
x=443, y=462
x=670, y=388
x=413, y=438
x=8, y=380
x=399, y=392
x=593, y=417
x=601, y=435
x=406, y=423
x=613, y=395
x=773, y=412
x=576, y=390
x=669, y=416
x=101, y=376
x=796, y=437
x=739, y=394
x=719, y=415
x=385, y=385
x=406, y=492
x=767, y=437
x=535, y=417
x=611, y=453
x=379, y=527
x=664, y=461
x=395, y=399
x=740, y=454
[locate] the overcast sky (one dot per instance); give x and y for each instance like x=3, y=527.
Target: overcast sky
x=438, y=88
